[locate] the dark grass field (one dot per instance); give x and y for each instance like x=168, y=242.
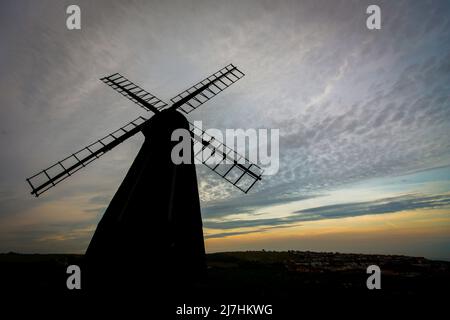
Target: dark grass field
x=292, y=278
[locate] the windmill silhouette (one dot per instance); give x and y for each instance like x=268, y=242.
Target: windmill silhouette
x=153, y=223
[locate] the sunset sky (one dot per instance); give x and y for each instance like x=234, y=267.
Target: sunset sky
x=364, y=118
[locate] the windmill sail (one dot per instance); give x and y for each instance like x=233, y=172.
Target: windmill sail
x=224, y=161
x=206, y=89
x=231, y=166
x=133, y=92
x=61, y=170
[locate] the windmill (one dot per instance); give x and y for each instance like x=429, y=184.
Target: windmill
x=153, y=222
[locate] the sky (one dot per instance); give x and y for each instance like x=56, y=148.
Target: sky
x=364, y=118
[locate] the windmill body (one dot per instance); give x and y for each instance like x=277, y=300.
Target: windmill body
x=152, y=228
x=151, y=233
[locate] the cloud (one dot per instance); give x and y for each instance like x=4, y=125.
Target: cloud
x=235, y=233
x=249, y=203
x=344, y=210
x=387, y=205
x=351, y=104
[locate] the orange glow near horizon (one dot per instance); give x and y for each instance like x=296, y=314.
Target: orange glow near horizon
x=370, y=233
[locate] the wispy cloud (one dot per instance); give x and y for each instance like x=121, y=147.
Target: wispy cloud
x=352, y=209
x=351, y=104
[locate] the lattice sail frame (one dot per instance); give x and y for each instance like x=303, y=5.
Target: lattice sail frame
x=224, y=161
x=231, y=166
x=133, y=92
x=192, y=98
x=61, y=170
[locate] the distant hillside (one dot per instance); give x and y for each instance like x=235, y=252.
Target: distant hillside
x=262, y=275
